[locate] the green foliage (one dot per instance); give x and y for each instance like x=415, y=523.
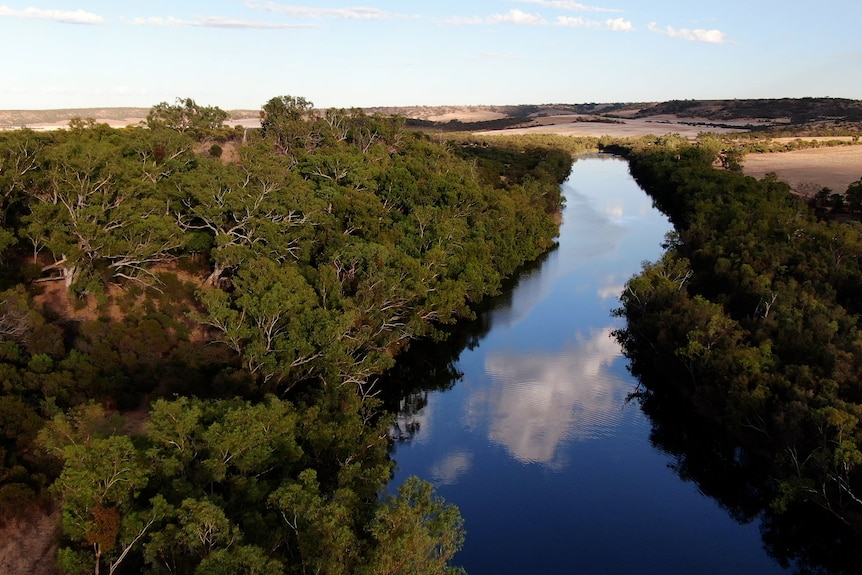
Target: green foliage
x=321, y=249
x=97, y=214
x=753, y=317
x=237, y=488
x=417, y=533
x=187, y=116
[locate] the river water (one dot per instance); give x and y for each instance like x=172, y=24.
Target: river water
x=530, y=434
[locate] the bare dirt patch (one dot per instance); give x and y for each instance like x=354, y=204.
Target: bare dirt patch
x=810, y=170
x=29, y=545
x=468, y=116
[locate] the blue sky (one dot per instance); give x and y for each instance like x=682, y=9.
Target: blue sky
x=240, y=53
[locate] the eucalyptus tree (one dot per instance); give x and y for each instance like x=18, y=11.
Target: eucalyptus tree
x=288, y=122
x=94, y=213
x=186, y=116
x=254, y=208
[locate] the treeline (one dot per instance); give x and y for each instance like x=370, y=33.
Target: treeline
x=751, y=318
x=247, y=284
x=756, y=143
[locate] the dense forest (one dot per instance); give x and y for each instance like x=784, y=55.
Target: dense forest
x=192, y=319
x=749, y=327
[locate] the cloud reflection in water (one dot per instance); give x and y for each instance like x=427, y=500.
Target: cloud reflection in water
x=539, y=401
x=448, y=470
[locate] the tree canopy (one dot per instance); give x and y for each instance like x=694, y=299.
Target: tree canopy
x=239, y=307
x=751, y=319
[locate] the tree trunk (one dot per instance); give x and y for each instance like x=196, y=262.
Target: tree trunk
x=215, y=276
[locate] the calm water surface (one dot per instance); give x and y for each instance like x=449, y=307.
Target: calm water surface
x=552, y=469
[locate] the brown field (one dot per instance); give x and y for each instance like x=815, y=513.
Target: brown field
x=807, y=171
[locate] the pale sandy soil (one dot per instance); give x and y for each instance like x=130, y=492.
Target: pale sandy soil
x=48, y=126
x=807, y=171
x=122, y=123
x=468, y=116
x=630, y=127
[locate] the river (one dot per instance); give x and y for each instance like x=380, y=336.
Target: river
x=529, y=431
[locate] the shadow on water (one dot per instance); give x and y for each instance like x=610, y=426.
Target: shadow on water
x=430, y=365
x=803, y=537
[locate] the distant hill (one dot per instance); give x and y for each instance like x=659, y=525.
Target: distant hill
x=764, y=112
x=796, y=110
x=10, y=119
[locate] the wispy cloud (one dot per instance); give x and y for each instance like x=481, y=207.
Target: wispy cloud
x=577, y=22
x=612, y=24
x=517, y=17
x=354, y=13
x=448, y=470
x=696, y=35
x=64, y=16
x=568, y=5
x=464, y=21
x=216, y=22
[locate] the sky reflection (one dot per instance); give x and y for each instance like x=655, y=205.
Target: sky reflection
x=536, y=402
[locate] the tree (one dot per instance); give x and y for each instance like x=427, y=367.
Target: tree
x=274, y=320
x=93, y=212
x=853, y=197
x=416, y=532
x=322, y=528
x=20, y=160
x=99, y=484
x=287, y=121
x=186, y=116
x=256, y=208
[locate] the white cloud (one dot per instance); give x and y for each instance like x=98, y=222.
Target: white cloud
x=696, y=35
x=577, y=22
x=614, y=24
x=67, y=17
x=619, y=25
x=461, y=21
x=215, y=22
x=517, y=17
x=354, y=13
x=569, y=5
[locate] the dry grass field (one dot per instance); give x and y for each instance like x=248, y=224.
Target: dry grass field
x=807, y=171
